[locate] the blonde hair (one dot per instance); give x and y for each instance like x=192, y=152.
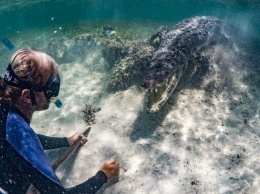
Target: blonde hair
x=27, y=65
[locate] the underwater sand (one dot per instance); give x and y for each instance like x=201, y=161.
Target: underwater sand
x=205, y=140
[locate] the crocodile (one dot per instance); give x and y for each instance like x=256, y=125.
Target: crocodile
x=184, y=43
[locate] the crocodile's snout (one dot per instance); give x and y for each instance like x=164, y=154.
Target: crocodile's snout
x=160, y=69
x=148, y=83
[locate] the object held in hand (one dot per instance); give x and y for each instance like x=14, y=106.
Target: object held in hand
x=60, y=160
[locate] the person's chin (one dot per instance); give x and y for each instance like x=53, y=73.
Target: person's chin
x=46, y=106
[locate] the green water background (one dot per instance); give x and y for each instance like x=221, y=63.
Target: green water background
x=37, y=21
x=22, y=15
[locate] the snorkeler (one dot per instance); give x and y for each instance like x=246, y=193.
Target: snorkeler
x=29, y=84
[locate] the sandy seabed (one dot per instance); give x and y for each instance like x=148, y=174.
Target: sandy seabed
x=204, y=140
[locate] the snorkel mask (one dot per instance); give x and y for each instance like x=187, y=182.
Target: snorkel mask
x=51, y=88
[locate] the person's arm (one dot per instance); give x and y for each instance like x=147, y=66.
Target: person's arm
x=91, y=186
x=60, y=142
x=53, y=142
x=44, y=184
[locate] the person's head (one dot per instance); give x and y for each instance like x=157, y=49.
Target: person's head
x=31, y=79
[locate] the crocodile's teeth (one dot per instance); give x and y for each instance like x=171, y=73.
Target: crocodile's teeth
x=155, y=95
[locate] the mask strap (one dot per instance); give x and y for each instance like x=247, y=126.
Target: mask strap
x=12, y=79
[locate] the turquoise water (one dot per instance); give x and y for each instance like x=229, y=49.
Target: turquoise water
x=23, y=15
x=36, y=23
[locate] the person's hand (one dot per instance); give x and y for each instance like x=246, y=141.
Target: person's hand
x=77, y=137
x=111, y=169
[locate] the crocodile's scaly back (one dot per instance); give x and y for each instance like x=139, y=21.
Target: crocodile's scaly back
x=193, y=33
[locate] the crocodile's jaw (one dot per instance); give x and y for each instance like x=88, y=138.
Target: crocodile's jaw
x=158, y=96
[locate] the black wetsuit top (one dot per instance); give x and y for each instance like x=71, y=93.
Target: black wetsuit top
x=16, y=174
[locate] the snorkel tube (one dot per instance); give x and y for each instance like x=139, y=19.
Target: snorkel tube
x=12, y=48
x=8, y=44
x=57, y=102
